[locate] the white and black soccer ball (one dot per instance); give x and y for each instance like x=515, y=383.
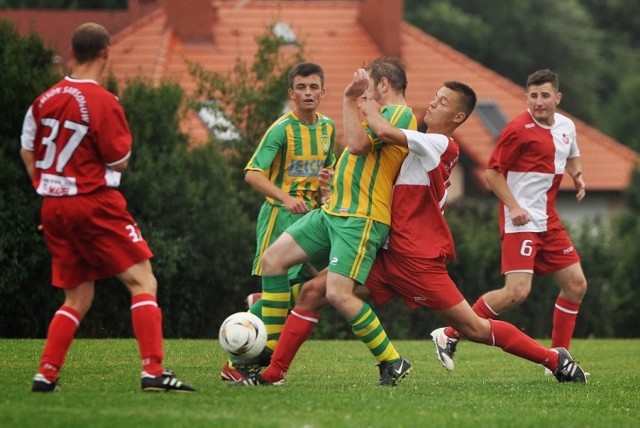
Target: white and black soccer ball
x=243, y=336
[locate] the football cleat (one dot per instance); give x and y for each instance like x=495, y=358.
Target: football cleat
x=232, y=373
x=166, y=382
x=568, y=370
x=255, y=379
x=391, y=373
x=235, y=371
x=262, y=360
x=549, y=373
x=251, y=299
x=445, y=348
x=42, y=384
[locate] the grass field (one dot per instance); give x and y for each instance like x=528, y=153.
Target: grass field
x=331, y=384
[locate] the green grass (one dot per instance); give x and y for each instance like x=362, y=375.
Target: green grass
x=331, y=384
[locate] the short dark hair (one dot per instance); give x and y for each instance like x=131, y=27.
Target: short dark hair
x=88, y=41
x=391, y=68
x=468, y=98
x=544, y=76
x=305, y=69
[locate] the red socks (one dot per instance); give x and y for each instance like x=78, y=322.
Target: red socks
x=513, y=341
x=564, y=322
x=62, y=330
x=297, y=329
x=146, y=319
x=481, y=309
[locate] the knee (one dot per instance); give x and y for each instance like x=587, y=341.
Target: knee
x=150, y=285
x=517, y=295
x=575, y=289
x=312, y=296
x=269, y=262
x=335, y=297
x=477, y=331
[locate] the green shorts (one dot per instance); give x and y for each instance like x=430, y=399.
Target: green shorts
x=272, y=221
x=349, y=244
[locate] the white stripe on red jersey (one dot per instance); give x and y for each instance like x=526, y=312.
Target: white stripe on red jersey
x=418, y=227
x=532, y=157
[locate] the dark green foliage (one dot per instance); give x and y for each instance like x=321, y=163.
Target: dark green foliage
x=625, y=259
x=27, y=301
x=516, y=38
x=621, y=118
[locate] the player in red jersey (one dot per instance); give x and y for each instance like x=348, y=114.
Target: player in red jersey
x=413, y=264
x=525, y=170
x=75, y=143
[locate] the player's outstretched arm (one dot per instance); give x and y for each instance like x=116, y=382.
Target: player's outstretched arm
x=382, y=128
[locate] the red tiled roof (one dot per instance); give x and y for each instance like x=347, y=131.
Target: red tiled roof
x=334, y=38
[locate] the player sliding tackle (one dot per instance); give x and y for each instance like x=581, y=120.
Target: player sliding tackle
x=413, y=264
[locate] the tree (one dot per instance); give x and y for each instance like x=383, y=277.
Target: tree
x=624, y=291
x=250, y=97
x=623, y=112
x=516, y=38
x=27, y=70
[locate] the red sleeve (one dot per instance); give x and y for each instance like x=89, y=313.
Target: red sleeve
x=114, y=135
x=506, y=150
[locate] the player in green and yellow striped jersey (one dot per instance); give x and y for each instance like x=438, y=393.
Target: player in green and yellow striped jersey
x=354, y=223
x=285, y=168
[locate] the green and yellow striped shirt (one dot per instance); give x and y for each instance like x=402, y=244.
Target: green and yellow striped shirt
x=362, y=185
x=291, y=154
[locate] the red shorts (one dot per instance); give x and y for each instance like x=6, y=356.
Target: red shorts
x=538, y=252
x=91, y=237
x=418, y=282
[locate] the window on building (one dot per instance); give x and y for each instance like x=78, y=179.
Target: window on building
x=218, y=123
x=284, y=31
x=491, y=117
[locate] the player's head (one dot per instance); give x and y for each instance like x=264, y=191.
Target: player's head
x=306, y=87
x=89, y=42
x=451, y=106
x=467, y=98
x=543, y=95
x=386, y=71
x=306, y=69
x=544, y=76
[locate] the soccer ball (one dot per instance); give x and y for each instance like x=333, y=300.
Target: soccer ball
x=243, y=336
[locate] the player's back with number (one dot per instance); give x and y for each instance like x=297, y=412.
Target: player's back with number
x=76, y=130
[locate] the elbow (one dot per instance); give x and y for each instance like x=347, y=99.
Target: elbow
x=252, y=178
x=357, y=150
x=248, y=178
x=119, y=167
x=359, y=147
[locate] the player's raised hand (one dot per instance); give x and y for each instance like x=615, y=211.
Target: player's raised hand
x=358, y=85
x=368, y=107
